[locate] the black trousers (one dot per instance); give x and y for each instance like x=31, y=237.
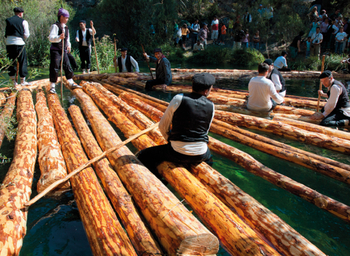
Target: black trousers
x=12, y=53
x=335, y=118
x=151, y=83
x=85, y=57
x=153, y=156
x=56, y=63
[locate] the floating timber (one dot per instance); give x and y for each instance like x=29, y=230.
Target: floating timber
x=6, y=115
x=16, y=188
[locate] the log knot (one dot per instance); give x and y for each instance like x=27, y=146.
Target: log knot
x=321, y=202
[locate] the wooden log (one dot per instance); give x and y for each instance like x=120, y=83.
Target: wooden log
x=51, y=162
x=126, y=81
x=105, y=233
x=2, y=98
x=177, y=229
x=139, y=235
x=99, y=77
x=16, y=187
x=297, y=117
x=285, y=130
x=314, y=128
x=6, y=115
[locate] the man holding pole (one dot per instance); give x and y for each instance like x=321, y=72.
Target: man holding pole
x=336, y=112
x=84, y=38
x=60, y=46
x=17, y=30
x=126, y=63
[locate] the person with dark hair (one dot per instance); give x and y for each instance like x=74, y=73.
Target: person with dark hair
x=294, y=47
x=281, y=62
x=276, y=77
x=185, y=125
x=84, y=38
x=215, y=29
x=340, y=40
x=336, y=112
x=17, y=30
x=203, y=35
x=59, y=36
x=195, y=27
x=262, y=92
x=316, y=41
x=125, y=62
x=163, y=70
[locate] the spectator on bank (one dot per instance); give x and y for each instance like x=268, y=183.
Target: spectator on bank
x=203, y=34
x=222, y=34
x=215, y=29
x=247, y=18
x=316, y=40
x=184, y=32
x=317, y=4
x=230, y=27
x=335, y=14
x=195, y=27
x=313, y=15
x=256, y=40
x=198, y=46
x=334, y=30
x=308, y=47
x=347, y=61
x=340, y=39
x=281, y=62
x=294, y=47
x=239, y=35
x=323, y=15
x=313, y=25
x=245, y=40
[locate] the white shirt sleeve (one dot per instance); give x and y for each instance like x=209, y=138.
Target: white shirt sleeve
x=276, y=80
x=135, y=64
x=26, y=29
x=274, y=95
x=77, y=36
x=332, y=100
x=68, y=42
x=165, y=122
x=54, y=37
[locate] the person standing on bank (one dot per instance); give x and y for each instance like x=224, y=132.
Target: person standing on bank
x=163, y=70
x=84, y=38
x=336, y=112
x=185, y=124
x=125, y=62
x=281, y=62
x=276, y=77
x=17, y=30
x=58, y=32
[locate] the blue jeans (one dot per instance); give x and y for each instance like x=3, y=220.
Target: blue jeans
x=339, y=47
x=256, y=46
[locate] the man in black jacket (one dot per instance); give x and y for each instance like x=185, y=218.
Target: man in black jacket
x=125, y=62
x=163, y=70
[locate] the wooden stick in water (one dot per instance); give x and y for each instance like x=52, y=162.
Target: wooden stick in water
x=93, y=39
x=55, y=184
x=319, y=96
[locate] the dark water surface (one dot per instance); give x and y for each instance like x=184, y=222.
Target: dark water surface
x=55, y=228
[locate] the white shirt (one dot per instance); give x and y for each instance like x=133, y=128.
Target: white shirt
x=332, y=101
x=261, y=90
x=280, y=62
x=341, y=36
x=197, y=47
x=316, y=38
x=277, y=82
x=84, y=43
x=54, y=37
x=195, y=28
x=185, y=148
x=133, y=63
x=15, y=40
x=336, y=29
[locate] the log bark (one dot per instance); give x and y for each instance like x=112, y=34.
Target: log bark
x=16, y=187
x=177, y=229
x=2, y=98
x=105, y=76
x=285, y=130
x=126, y=81
x=297, y=117
x=51, y=162
x=139, y=235
x=105, y=233
x=6, y=115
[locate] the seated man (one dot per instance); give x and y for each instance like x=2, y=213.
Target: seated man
x=336, y=112
x=275, y=76
x=126, y=63
x=163, y=70
x=281, y=62
x=198, y=46
x=185, y=124
x=262, y=92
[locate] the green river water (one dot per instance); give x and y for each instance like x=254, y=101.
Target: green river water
x=54, y=226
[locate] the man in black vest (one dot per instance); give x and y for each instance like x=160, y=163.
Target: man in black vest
x=336, y=112
x=185, y=124
x=126, y=63
x=163, y=70
x=17, y=30
x=84, y=38
x=276, y=77
x=58, y=32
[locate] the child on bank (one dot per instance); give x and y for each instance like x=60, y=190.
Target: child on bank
x=223, y=34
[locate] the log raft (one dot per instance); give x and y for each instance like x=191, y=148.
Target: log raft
x=6, y=115
x=16, y=189
x=104, y=232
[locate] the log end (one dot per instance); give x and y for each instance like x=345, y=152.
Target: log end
x=204, y=244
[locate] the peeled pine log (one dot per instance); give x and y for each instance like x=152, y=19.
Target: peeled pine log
x=105, y=233
x=51, y=162
x=16, y=187
x=297, y=117
x=126, y=81
x=283, y=237
x=6, y=115
x=177, y=229
x=2, y=98
x=91, y=76
x=139, y=235
x=285, y=130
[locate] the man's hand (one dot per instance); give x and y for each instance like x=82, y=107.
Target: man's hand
x=62, y=36
x=316, y=116
x=145, y=55
x=164, y=87
x=322, y=94
x=69, y=49
x=91, y=23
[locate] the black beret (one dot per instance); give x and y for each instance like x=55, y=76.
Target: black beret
x=326, y=73
x=268, y=61
x=18, y=9
x=82, y=21
x=204, y=79
x=124, y=49
x=157, y=50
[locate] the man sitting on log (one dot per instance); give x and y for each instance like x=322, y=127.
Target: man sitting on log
x=262, y=92
x=336, y=112
x=185, y=124
x=275, y=76
x=126, y=63
x=163, y=70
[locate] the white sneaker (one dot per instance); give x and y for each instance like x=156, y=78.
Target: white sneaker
x=26, y=83
x=75, y=86
x=52, y=90
x=346, y=122
x=84, y=72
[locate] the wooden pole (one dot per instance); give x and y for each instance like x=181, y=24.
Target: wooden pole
x=143, y=50
x=62, y=57
x=115, y=54
x=93, y=39
x=319, y=96
x=17, y=70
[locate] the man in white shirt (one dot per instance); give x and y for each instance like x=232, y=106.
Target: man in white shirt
x=195, y=27
x=198, y=46
x=17, y=30
x=125, y=62
x=84, y=38
x=281, y=62
x=316, y=40
x=276, y=77
x=262, y=92
x=336, y=112
x=215, y=29
x=340, y=39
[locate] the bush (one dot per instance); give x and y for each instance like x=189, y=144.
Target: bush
x=246, y=57
x=211, y=55
x=105, y=53
x=333, y=62
x=175, y=54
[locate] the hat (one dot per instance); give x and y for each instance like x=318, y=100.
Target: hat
x=157, y=50
x=268, y=62
x=63, y=12
x=82, y=21
x=204, y=79
x=123, y=49
x=18, y=9
x=326, y=73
